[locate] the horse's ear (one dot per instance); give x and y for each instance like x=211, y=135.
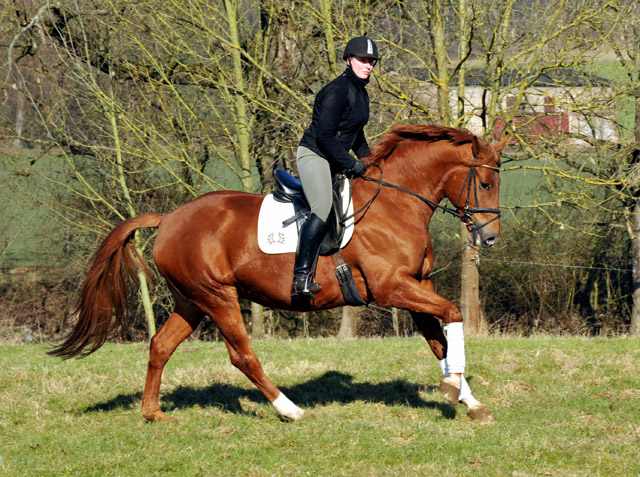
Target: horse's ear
x=499, y=146
x=475, y=146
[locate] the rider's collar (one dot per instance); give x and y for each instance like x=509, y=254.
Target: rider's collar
x=349, y=72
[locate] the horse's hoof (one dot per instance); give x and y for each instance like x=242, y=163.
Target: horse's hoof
x=287, y=409
x=304, y=416
x=449, y=391
x=296, y=415
x=481, y=414
x=159, y=416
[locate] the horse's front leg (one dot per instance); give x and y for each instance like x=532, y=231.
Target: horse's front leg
x=420, y=298
x=449, y=350
x=431, y=329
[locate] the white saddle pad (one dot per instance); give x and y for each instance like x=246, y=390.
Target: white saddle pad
x=274, y=238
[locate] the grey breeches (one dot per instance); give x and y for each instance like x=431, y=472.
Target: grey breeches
x=315, y=176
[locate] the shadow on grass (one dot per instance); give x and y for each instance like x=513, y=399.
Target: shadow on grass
x=331, y=387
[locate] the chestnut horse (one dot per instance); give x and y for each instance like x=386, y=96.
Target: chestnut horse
x=208, y=253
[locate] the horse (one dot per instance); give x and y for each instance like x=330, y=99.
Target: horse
x=207, y=252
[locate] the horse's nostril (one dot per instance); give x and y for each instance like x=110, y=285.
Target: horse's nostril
x=491, y=241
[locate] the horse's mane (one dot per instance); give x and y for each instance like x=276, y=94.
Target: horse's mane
x=403, y=132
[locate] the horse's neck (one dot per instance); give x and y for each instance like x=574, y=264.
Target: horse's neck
x=424, y=176
x=426, y=179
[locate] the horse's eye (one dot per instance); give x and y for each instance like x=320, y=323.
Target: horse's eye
x=485, y=186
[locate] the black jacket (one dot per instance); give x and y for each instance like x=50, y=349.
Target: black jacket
x=340, y=111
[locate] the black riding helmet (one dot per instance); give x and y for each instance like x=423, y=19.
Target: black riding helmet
x=362, y=47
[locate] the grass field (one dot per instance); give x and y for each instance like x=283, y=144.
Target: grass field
x=564, y=406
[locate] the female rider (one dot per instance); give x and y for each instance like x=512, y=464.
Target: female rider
x=340, y=112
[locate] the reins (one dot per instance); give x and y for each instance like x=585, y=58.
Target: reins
x=465, y=217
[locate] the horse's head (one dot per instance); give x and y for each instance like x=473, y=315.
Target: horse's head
x=476, y=191
x=438, y=162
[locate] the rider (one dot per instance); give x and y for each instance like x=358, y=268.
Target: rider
x=340, y=112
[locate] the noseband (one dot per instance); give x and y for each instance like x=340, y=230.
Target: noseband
x=467, y=212
x=465, y=217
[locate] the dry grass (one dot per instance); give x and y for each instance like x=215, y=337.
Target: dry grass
x=564, y=406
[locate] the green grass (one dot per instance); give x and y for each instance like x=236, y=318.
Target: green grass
x=564, y=406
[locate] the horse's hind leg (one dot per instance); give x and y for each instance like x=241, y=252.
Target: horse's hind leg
x=430, y=328
x=224, y=309
x=184, y=319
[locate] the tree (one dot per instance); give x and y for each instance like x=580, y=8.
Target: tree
x=149, y=104
x=622, y=32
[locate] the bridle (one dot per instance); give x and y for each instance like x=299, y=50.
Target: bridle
x=465, y=217
x=467, y=212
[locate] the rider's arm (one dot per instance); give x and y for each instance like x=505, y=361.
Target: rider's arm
x=360, y=146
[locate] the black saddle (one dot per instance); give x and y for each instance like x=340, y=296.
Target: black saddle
x=289, y=189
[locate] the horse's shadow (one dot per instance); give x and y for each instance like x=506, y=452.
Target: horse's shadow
x=331, y=387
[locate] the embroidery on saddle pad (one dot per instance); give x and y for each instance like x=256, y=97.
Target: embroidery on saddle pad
x=274, y=238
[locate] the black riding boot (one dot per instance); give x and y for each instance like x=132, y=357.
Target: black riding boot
x=309, y=241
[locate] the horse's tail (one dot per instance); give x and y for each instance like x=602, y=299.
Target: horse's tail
x=102, y=306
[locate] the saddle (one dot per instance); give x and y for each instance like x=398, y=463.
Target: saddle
x=289, y=189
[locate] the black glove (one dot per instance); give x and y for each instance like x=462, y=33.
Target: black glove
x=358, y=169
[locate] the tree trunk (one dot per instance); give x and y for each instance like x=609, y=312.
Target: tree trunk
x=470, y=286
x=633, y=226
x=305, y=324
x=257, y=321
x=327, y=23
x=469, y=290
x=20, y=107
x=242, y=119
x=240, y=109
x=394, y=320
x=440, y=56
x=145, y=295
x=463, y=47
x=634, y=234
x=348, y=324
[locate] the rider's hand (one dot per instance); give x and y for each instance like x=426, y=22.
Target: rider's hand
x=358, y=169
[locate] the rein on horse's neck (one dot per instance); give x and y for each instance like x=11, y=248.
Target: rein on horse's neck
x=433, y=204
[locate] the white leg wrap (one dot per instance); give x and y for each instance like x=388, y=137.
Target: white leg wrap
x=455, y=348
x=465, y=390
x=286, y=408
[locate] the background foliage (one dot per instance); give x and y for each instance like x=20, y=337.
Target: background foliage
x=114, y=108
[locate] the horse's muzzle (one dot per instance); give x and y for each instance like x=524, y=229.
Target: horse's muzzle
x=485, y=235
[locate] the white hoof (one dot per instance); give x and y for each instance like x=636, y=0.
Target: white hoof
x=287, y=409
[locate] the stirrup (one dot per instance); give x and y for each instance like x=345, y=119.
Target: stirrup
x=303, y=287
